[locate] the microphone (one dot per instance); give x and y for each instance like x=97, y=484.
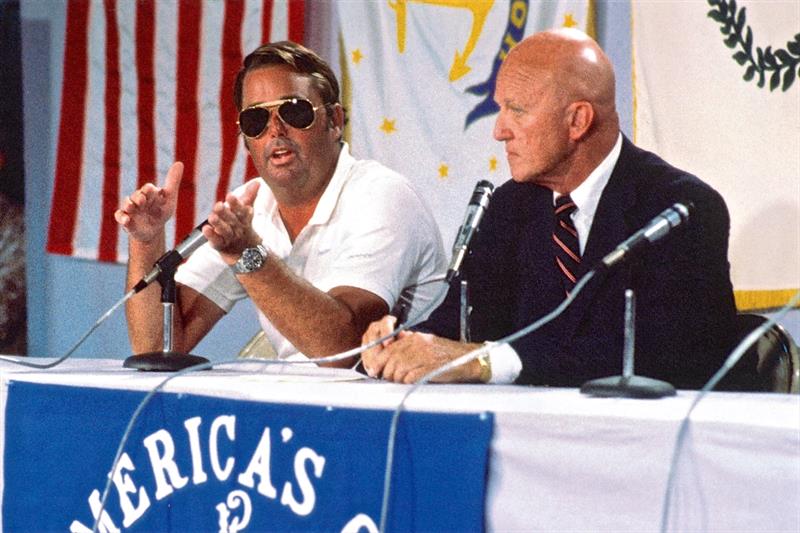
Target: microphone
x=171, y=259
x=475, y=210
x=655, y=230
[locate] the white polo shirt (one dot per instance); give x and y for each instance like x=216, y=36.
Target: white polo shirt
x=370, y=230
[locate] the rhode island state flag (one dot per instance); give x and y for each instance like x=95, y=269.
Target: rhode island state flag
x=419, y=77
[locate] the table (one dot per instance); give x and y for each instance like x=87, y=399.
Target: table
x=558, y=460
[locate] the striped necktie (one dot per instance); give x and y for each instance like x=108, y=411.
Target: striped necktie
x=565, y=238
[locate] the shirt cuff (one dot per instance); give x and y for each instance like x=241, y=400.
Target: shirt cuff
x=506, y=364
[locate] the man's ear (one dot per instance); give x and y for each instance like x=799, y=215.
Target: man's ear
x=580, y=115
x=336, y=119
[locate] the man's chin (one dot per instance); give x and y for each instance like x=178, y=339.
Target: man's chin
x=281, y=169
x=523, y=178
x=535, y=179
x=279, y=177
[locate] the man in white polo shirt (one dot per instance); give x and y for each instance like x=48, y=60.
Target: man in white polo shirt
x=322, y=243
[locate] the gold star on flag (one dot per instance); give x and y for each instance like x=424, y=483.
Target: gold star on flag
x=357, y=56
x=388, y=126
x=569, y=21
x=493, y=164
x=443, y=170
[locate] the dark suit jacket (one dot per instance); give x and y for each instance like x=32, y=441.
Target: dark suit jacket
x=684, y=299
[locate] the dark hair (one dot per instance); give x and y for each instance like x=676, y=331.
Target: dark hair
x=300, y=59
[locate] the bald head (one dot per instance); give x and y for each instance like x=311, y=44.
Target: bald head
x=557, y=117
x=574, y=62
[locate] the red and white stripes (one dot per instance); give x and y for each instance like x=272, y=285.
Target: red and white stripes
x=147, y=83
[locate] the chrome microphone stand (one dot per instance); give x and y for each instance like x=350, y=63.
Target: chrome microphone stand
x=628, y=384
x=167, y=360
x=464, y=312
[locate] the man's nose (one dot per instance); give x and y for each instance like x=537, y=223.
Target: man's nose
x=276, y=127
x=500, y=132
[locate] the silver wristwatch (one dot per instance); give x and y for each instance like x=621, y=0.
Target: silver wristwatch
x=252, y=259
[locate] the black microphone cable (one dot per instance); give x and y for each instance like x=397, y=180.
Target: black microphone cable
x=729, y=363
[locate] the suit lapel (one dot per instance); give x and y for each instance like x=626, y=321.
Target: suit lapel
x=609, y=228
x=538, y=275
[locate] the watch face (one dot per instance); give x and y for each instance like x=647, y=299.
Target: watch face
x=251, y=260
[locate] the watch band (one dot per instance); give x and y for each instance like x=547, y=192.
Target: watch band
x=486, y=368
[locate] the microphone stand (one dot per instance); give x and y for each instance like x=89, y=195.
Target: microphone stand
x=628, y=385
x=167, y=360
x=464, y=335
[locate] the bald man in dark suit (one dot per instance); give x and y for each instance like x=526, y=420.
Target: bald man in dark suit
x=561, y=130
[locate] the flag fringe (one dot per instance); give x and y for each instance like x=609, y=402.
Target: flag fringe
x=763, y=300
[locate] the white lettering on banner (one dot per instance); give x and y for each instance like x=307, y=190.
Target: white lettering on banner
x=259, y=464
x=193, y=428
x=298, y=494
x=77, y=527
x=235, y=499
x=164, y=464
x=306, y=488
x=229, y=422
x=104, y=525
x=125, y=486
x=357, y=522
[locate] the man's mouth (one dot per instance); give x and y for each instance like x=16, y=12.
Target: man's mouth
x=281, y=156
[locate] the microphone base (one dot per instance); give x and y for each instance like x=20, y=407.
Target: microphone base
x=630, y=387
x=163, y=361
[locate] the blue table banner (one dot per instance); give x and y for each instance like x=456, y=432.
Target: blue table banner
x=196, y=463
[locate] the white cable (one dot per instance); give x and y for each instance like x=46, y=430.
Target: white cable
x=266, y=362
x=334, y=358
x=149, y=396
x=77, y=344
x=729, y=363
x=466, y=358
x=422, y=315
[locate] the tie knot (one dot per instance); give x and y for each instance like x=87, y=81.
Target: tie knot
x=564, y=206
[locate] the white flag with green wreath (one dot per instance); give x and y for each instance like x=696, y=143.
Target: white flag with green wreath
x=716, y=92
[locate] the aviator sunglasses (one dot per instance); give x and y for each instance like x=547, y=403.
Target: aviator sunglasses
x=296, y=112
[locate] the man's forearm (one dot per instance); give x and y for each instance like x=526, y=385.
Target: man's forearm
x=315, y=322
x=143, y=311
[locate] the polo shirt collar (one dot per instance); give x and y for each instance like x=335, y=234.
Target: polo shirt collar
x=330, y=197
x=328, y=200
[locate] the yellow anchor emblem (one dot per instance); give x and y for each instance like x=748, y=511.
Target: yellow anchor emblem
x=479, y=8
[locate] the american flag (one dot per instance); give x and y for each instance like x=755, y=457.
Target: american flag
x=146, y=83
